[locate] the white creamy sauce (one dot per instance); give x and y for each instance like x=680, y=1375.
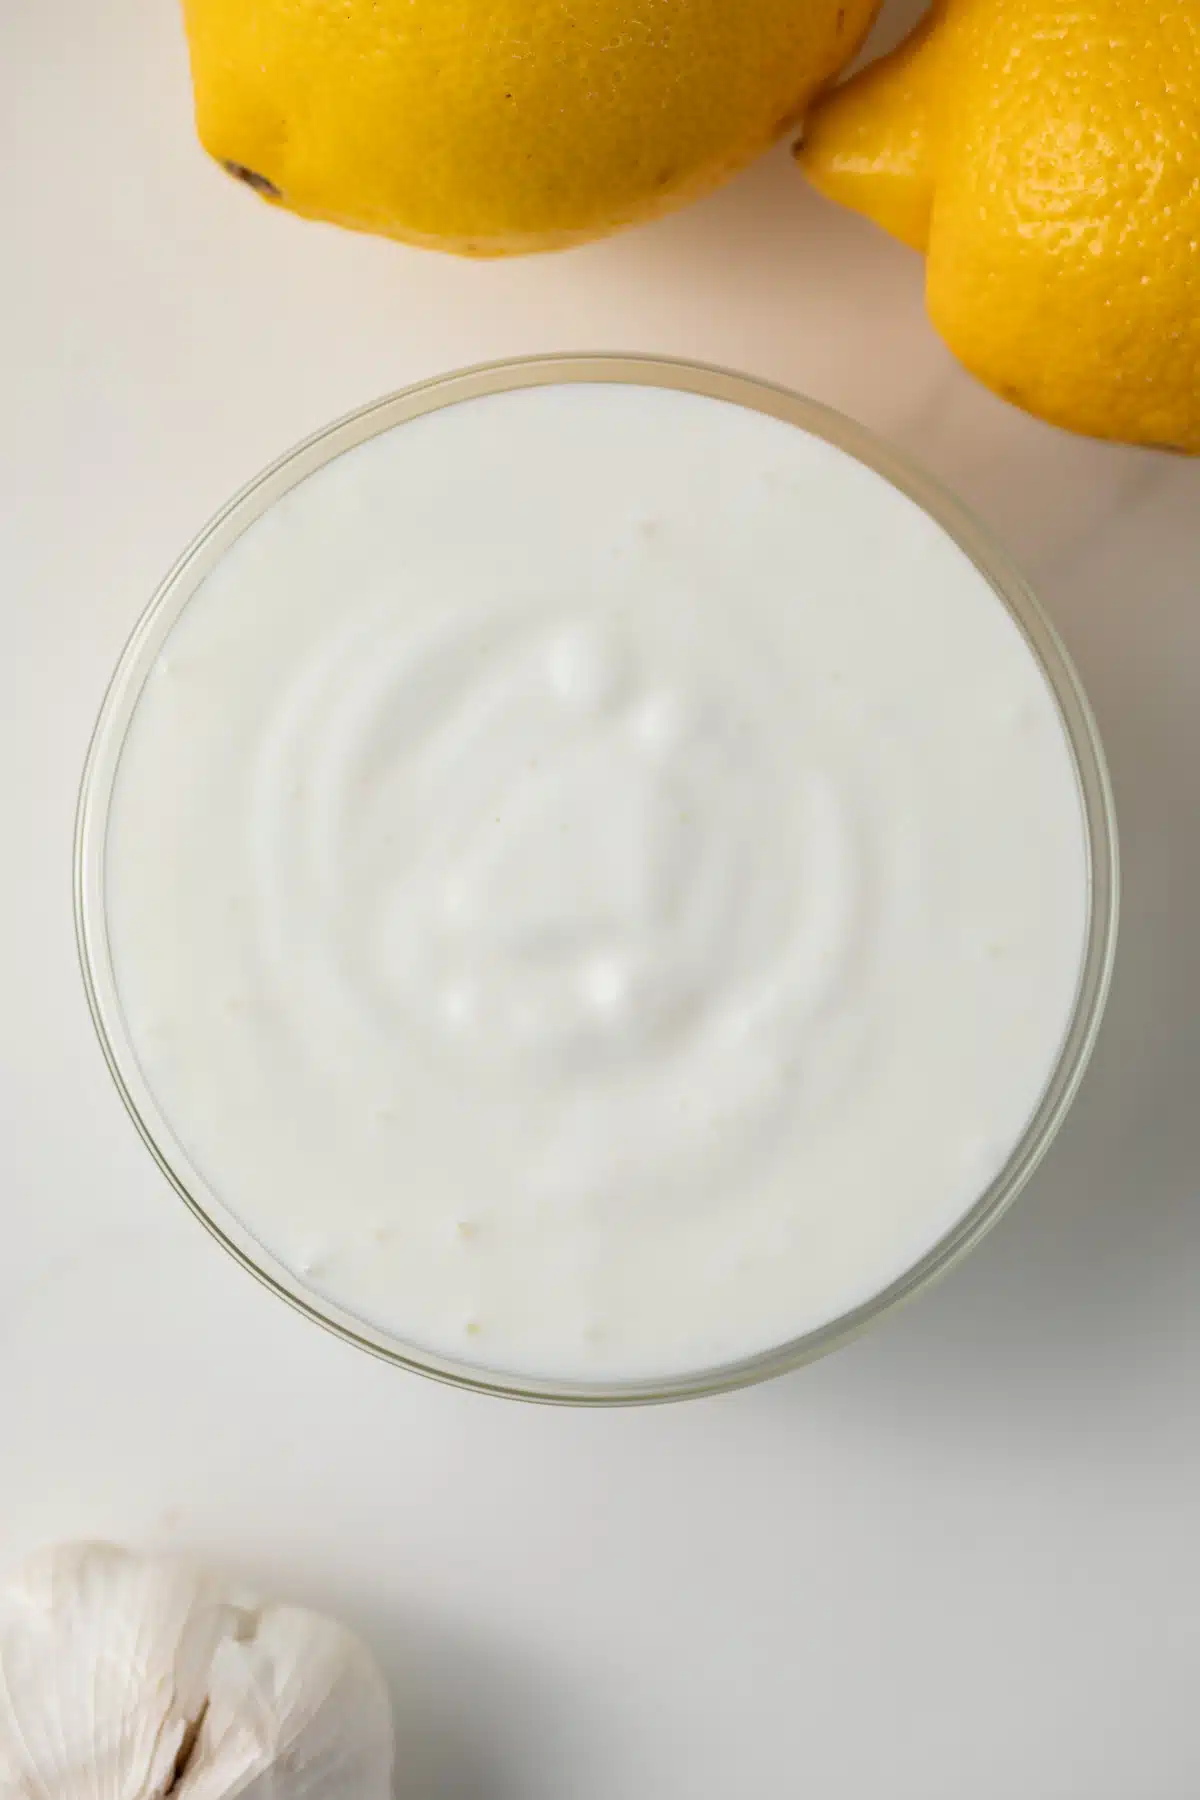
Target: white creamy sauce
x=596, y=882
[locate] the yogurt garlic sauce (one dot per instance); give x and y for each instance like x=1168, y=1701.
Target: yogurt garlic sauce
x=596, y=882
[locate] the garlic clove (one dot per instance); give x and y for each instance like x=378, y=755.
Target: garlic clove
x=296, y=1708
x=131, y=1678
x=104, y=1659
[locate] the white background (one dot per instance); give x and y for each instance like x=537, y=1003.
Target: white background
x=959, y=1558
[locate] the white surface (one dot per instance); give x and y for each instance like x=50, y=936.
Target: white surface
x=514, y=1027
x=956, y=1558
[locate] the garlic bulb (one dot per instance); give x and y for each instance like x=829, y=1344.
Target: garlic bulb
x=130, y=1678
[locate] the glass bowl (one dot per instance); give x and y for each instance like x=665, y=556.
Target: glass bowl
x=383, y=415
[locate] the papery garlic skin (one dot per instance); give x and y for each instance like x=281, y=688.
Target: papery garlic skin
x=130, y=1678
x=298, y=1709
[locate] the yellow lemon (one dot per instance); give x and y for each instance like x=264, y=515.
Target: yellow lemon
x=495, y=126
x=1047, y=157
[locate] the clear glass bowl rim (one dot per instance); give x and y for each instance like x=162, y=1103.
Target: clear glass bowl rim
x=716, y=383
